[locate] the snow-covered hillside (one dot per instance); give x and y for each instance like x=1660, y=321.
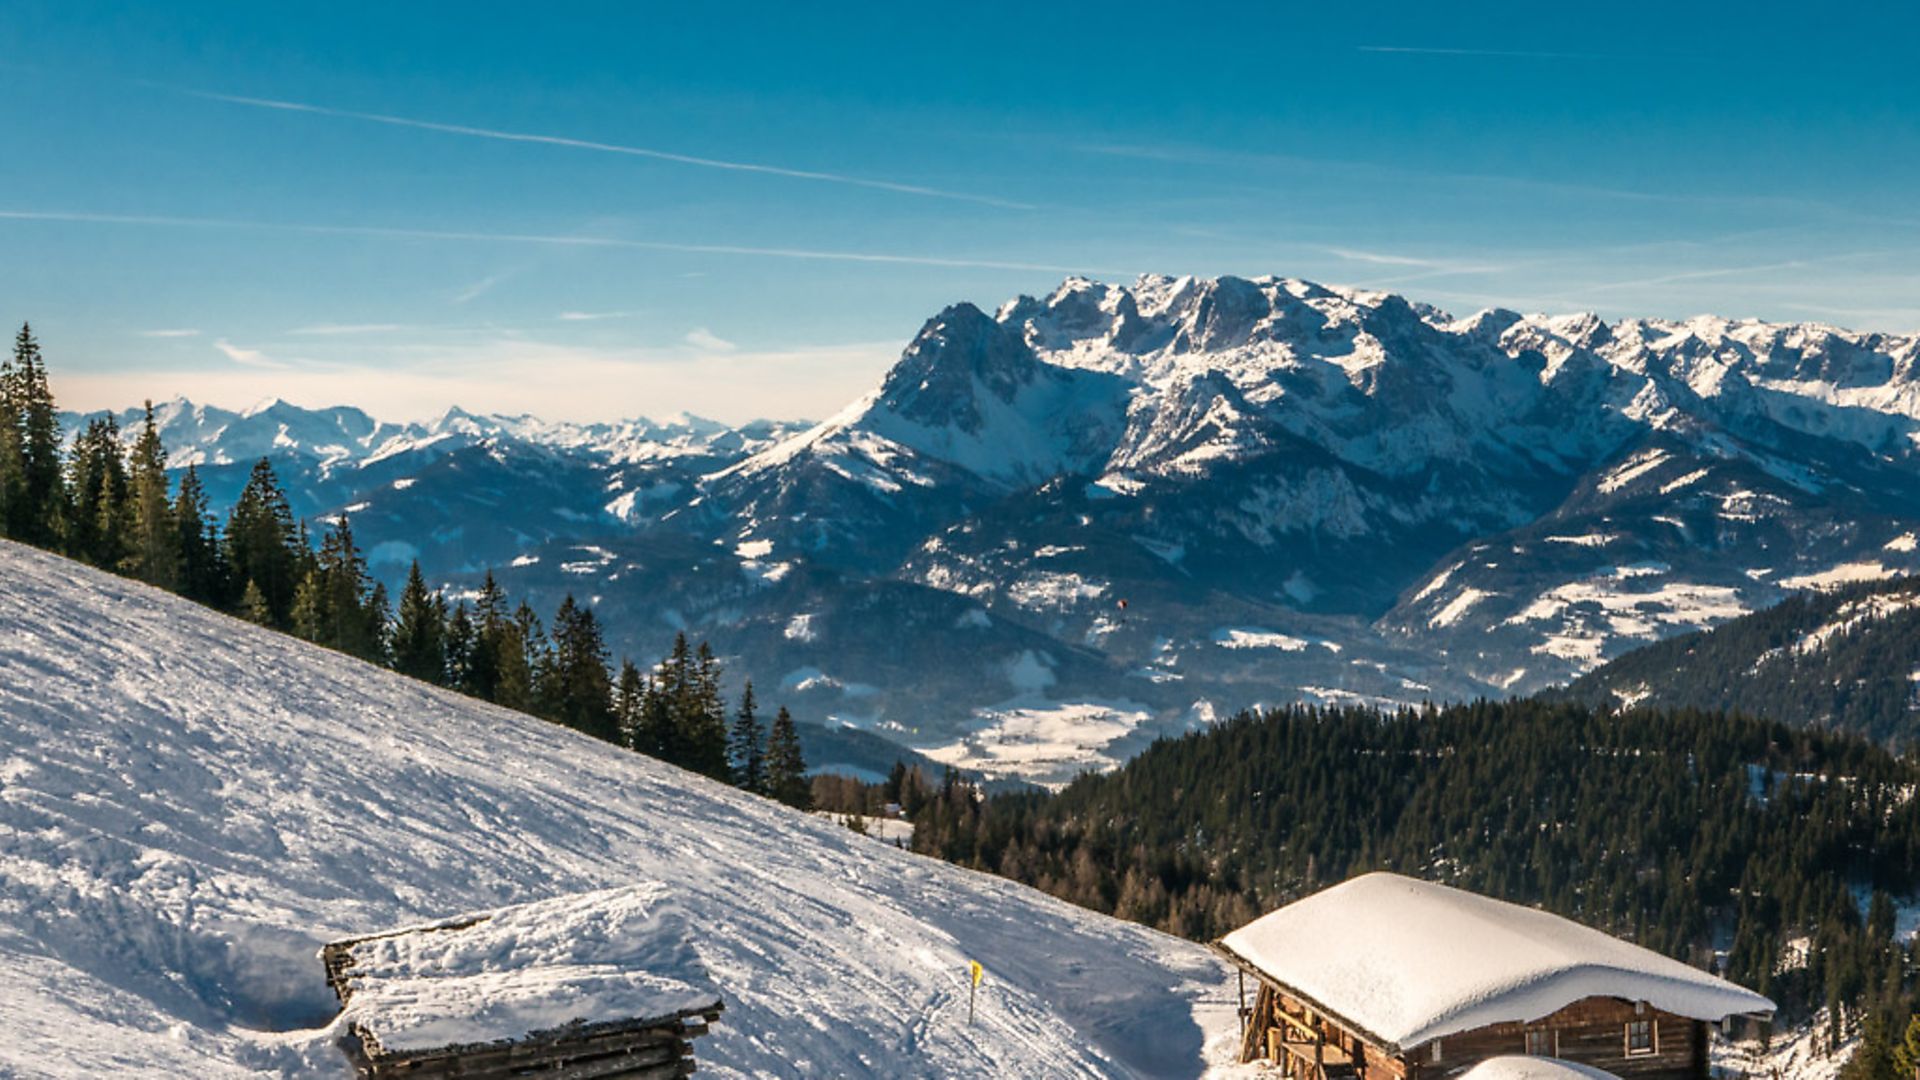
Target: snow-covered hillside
x=189, y=806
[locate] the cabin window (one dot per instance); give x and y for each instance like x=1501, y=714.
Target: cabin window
x=1639, y=1037
x=1437, y=1058
x=1540, y=1042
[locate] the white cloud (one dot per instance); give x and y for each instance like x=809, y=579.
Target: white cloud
x=169, y=333
x=1380, y=259
x=703, y=338
x=248, y=357
x=478, y=288
x=592, y=316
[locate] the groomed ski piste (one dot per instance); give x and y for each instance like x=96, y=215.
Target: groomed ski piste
x=190, y=806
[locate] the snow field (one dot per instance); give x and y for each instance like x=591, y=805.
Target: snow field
x=190, y=806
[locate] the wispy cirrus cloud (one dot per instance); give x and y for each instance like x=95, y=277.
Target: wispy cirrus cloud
x=469, y=293
x=593, y=316
x=1417, y=267
x=549, y=240
x=1381, y=258
x=173, y=333
x=703, y=338
x=248, y=357
x=612, y=148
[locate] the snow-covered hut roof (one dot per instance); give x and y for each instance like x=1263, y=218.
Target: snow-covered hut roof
x=612, y=957
x=1404, y=962
x=1519, y=1067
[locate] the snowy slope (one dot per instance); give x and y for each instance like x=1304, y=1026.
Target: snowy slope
x=189, y=806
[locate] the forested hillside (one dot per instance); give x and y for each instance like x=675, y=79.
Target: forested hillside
x=1703, y=835
x=1845, y=661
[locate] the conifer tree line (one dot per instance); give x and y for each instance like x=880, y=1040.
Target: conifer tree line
x=1776, y=855
x=115, y=507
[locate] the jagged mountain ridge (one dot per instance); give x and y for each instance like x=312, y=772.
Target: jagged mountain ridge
x=1512, y=498
x=1057, y=530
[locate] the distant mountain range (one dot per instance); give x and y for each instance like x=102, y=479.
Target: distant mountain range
x=1057, y=531
x=462, y=492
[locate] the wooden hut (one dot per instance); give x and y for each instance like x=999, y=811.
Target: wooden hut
x=597, y=985
x=1385, y=976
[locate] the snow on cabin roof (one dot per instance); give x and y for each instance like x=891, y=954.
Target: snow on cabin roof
x=1405, y=962
x=613, y=956
x=1517, y=1067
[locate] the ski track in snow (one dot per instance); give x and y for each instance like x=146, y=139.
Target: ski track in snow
x=190, y=806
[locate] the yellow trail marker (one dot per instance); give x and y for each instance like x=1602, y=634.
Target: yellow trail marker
x=974, y=967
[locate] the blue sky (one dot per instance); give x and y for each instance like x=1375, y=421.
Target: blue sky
x=590, y=211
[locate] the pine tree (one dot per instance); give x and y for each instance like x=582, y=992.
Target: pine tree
x=580, y=694
x=309, y=617
x=1873, y=1058
x=39, y=514
x=378, y=615
x=264, y=547
x=202, y=572
x=669, y=700
x=98, y=519
x=13, y=478
x=493, y=640
x=786, y=767
x=523, y=657
x=747, y=746
x=1906, y=1055
x=153, y=551
x=420, y=632
x=253, y=605
x=704, y=719
x=630, y=695
x=655, y=733
x=460, y=647
x=351, y=623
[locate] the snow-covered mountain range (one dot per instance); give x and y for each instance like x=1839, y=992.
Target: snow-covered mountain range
x=190, y=806
x=466, y=491
x=1057, y=530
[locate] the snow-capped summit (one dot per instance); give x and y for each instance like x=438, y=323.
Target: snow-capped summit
x=1514, y=496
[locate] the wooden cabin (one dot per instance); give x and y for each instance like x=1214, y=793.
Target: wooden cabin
x=597, y=985
x=1388, y=977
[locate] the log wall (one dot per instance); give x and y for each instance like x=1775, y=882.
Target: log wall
x=1591, y=1032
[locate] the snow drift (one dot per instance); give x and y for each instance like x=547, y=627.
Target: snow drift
x=189, y=806
x=612, y=956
